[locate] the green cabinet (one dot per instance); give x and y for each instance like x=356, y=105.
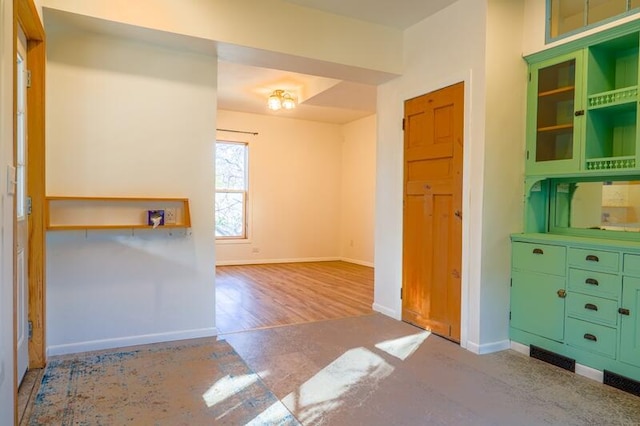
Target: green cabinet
x=611, y=134
x=578, y=297
x=554, y=105
x=575, y=271
x=630, y=322
x=583, y=108
x=536, y=306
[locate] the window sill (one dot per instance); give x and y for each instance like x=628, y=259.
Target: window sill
x=233, y=241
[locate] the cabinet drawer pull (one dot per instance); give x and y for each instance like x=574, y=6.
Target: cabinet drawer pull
x=623, y=311
x=561, y=293
x=579, y=113
x=592, y=258
x=537, y=251
x=591, y=281
x=591, y=307
x=591, y=337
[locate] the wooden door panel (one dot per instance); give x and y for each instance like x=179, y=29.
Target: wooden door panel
x=432, y=236
x=413, y=261
x=426, y=170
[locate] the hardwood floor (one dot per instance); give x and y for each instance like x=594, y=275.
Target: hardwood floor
x=258, y=296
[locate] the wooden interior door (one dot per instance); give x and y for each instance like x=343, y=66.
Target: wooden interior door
x=432, y=218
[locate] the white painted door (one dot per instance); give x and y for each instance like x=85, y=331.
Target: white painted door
x=22, y=231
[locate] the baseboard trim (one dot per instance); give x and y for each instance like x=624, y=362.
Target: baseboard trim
x=590, y=373
x=96, y=345
x=386, y=311
x=488, y=348
x=357, y=262
x=268, y=261
x=519, y=347
x=583, y=370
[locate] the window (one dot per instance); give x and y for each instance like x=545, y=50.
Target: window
x=565, y=17
x=231, y=190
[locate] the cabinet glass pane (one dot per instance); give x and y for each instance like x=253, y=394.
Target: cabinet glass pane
x=566, y=16
x=599, y=10
x=556, y=91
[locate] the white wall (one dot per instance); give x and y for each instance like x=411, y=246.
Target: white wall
x=447, y=48
x=504, y=165
x=295, y=180
x=312, y=190
x=6, y=214
x=439, y=51
x=129, y=119
x=357, y=211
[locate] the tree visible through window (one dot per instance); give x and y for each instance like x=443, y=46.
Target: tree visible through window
x=231, y=189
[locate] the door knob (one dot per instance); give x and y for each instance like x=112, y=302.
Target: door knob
x=562, y=293
x=458, y=214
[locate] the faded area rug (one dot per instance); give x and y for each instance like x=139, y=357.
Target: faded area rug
x=196, y=382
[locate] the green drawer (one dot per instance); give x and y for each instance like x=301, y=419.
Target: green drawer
x=595, y=283
x=597, y=260
x=543, y=258
x=631, y=264
x=591, y=337
x=591, y=308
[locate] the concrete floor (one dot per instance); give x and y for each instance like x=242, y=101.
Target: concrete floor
x=373, y=370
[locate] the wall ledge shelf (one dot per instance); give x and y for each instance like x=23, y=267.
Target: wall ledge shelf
x=68, y=213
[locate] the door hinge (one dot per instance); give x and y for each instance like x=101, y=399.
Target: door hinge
x=511, y=282
x=509, y=315
x=403, y=121
x=30, y=330
x=529, y=76
x=527, y=154
x=29, y=206
x=28, y=77
x=400, y=293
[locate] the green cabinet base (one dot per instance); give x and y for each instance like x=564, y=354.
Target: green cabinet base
x=588, y=359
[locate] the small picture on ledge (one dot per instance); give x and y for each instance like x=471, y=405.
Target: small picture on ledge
x=155, y=218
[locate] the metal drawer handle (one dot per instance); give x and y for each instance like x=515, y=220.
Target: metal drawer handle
x=624, y=311
x=591, y=281
x=591, y=307
x=537, y=251
x=592, y=258
x=591, y=337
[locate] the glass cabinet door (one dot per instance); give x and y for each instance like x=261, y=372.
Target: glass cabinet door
x=555, y=106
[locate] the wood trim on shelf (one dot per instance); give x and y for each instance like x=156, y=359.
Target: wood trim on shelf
x=185, y=214
x=566, y=89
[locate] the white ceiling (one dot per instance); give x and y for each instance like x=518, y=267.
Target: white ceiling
x=245, y=88
x=399, y=14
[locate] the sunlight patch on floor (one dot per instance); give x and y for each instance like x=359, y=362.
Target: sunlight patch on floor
x=229, y=386
x=326, y=390
x=403, y=347
x=273, y=415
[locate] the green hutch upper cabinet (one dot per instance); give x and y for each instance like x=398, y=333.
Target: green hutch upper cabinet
x=583, y=108
x=555, y=114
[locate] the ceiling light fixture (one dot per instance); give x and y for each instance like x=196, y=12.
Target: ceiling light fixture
x=280, y=99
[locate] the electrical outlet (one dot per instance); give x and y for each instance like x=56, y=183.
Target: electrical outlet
x=170, y=216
